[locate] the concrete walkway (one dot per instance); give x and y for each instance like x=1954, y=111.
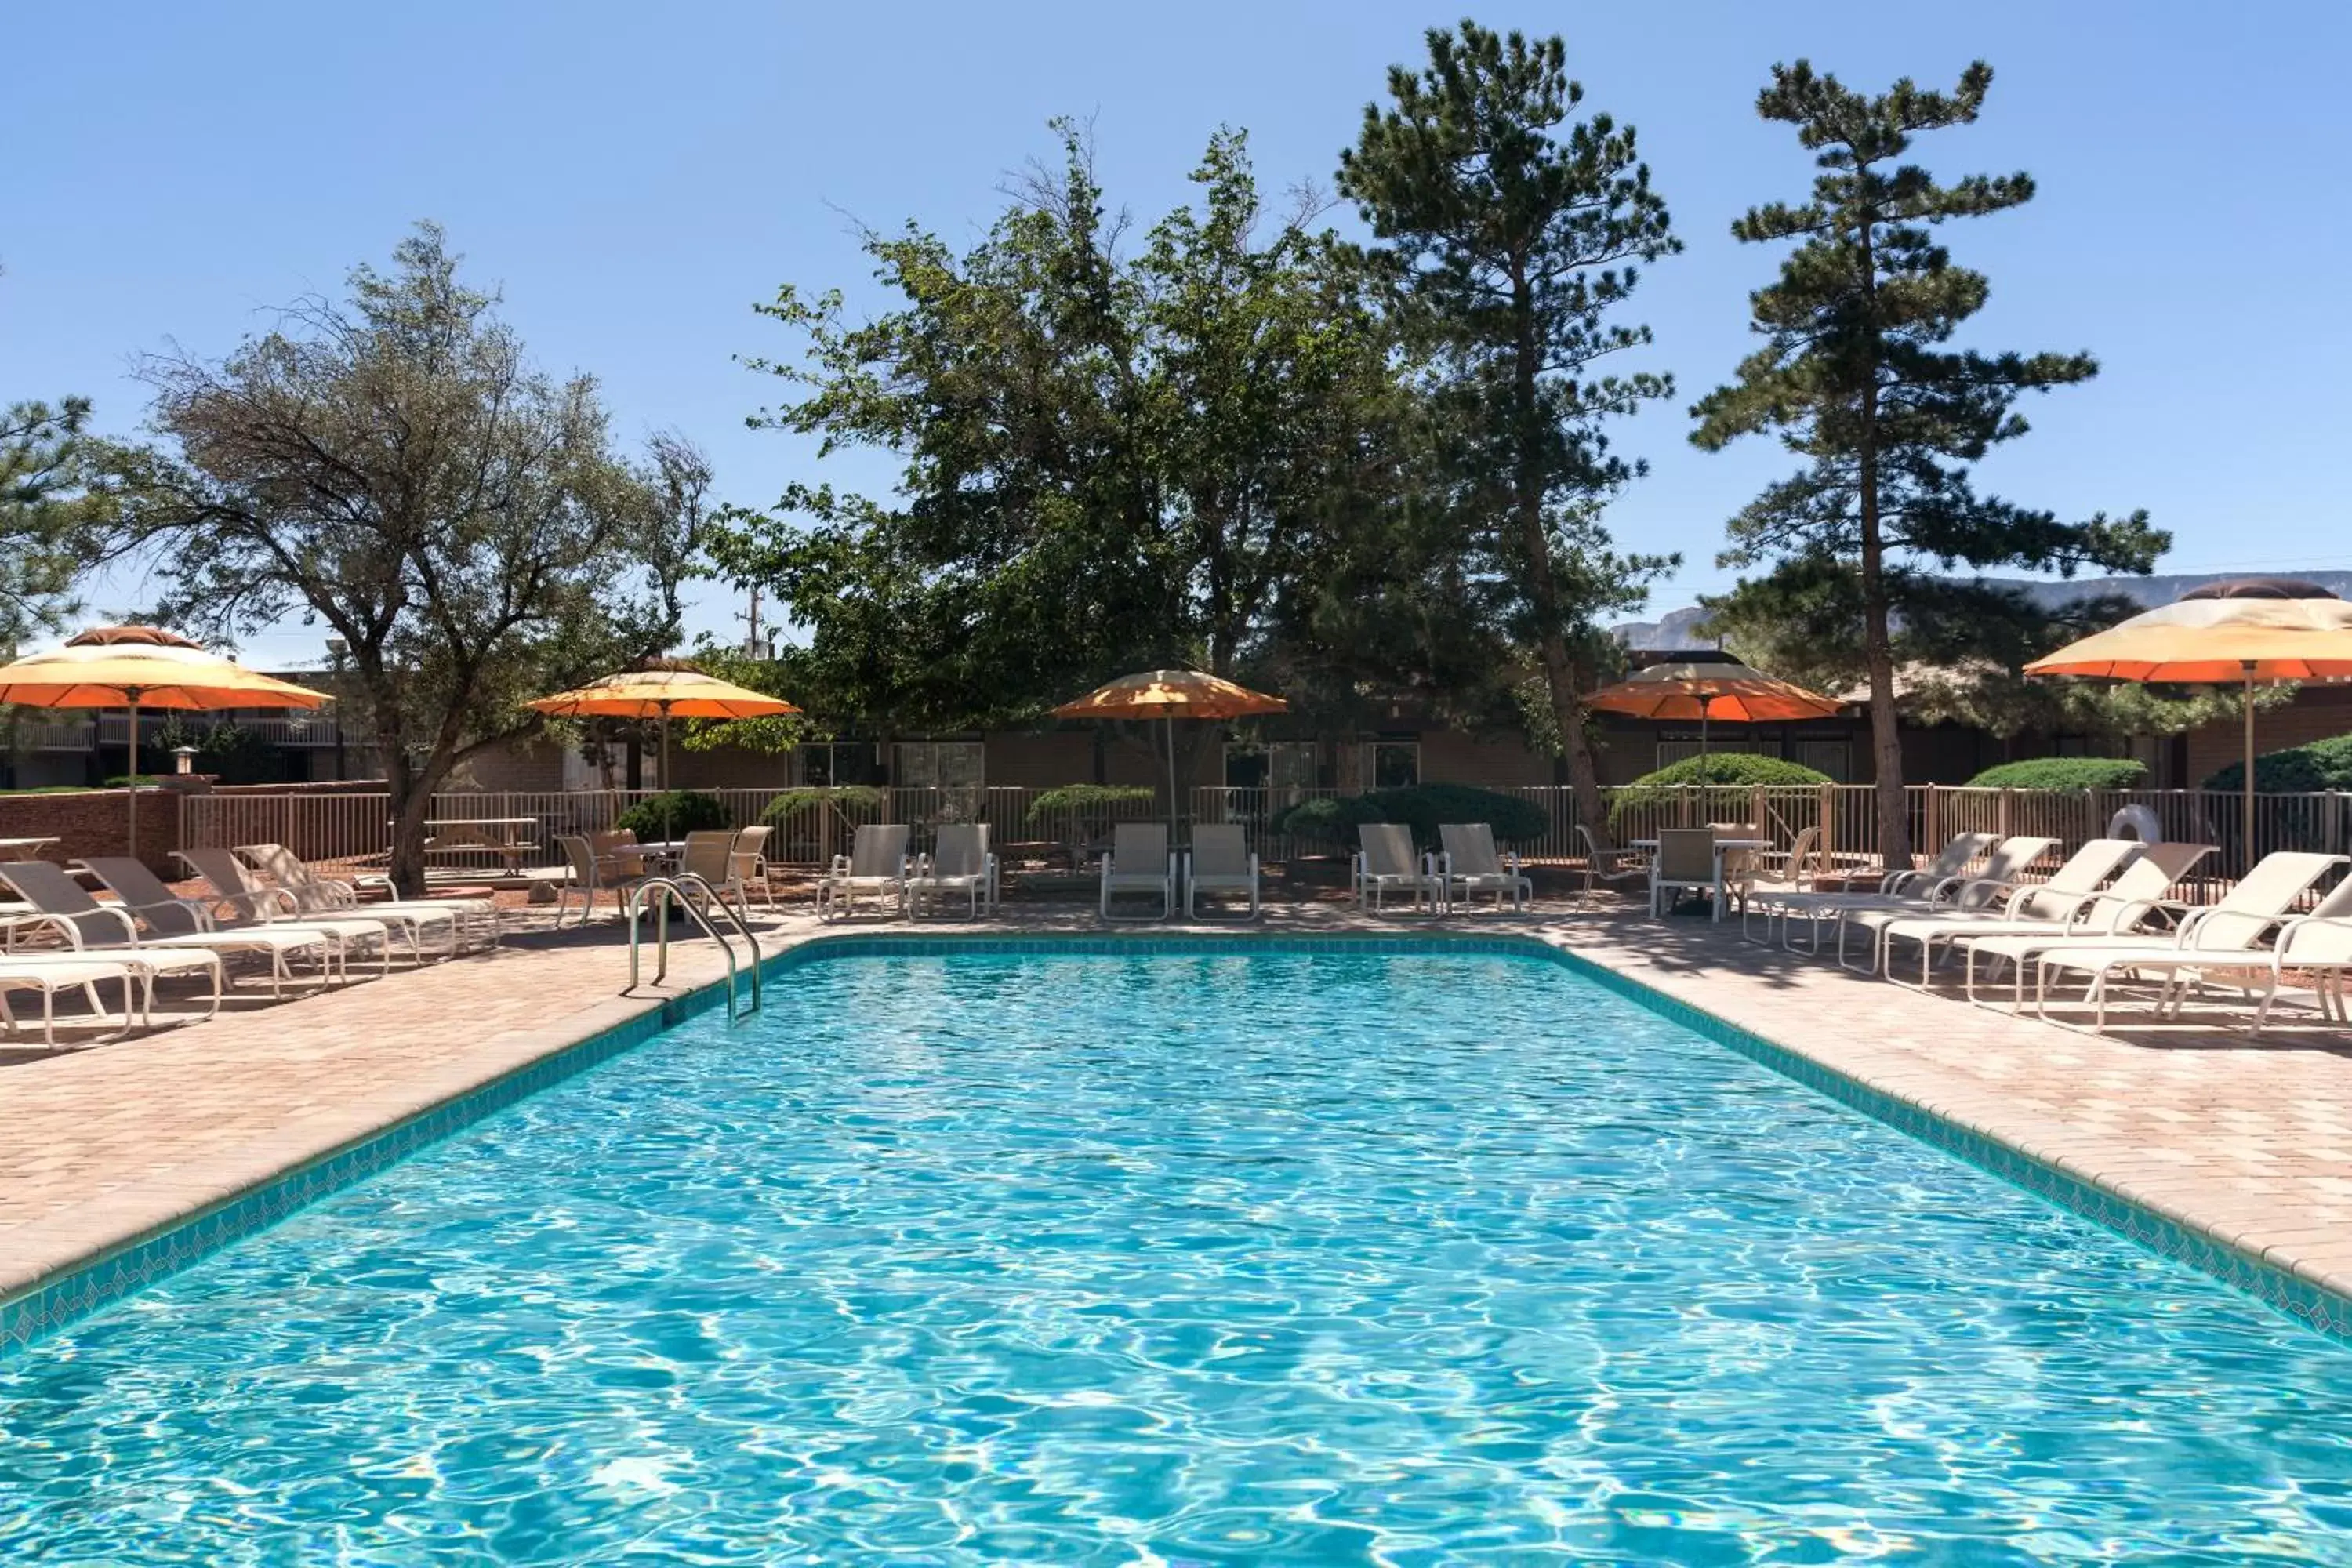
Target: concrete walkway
x=2248, y=1143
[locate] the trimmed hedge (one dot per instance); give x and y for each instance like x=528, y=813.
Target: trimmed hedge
x=2323, y=764
x=1086, y=800
x=688, y=811
x=793, y=803
x=2071, y=775
x=1422, y=807
x=1726, y=770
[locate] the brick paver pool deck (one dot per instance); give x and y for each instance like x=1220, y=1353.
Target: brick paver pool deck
x=2247, y=1142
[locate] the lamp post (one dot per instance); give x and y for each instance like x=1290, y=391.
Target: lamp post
x=183, y=759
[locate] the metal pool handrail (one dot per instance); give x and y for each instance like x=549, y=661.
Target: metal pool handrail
x=663, y=892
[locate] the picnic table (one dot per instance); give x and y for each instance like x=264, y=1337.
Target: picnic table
x=508, y=837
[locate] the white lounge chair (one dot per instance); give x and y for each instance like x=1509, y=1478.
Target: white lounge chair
x=2316, y=946
x=2055, y=901
x=2126, y=911
x=1914, y=887
x=1139, y=862
x=315, y=893
x=86, y=925
x=1385, y=863
x=1219, y=861
x=876, y=864
x=2223, y=936
x=958, y=863
x=253, y=903
x=1469, y=865
x=50, y=974
x=2004, y=869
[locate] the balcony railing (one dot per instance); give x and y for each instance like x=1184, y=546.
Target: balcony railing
x=114, y=728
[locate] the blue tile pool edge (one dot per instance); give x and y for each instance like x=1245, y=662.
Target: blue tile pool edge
x=113, y=1276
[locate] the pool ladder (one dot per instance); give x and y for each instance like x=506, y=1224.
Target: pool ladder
x=661, y=893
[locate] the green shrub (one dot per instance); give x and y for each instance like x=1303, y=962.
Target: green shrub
x=793, y=803
x=2072, y=775
x=671, y=815
x=1731, y=773
x=2323, y=764
x=1085, y=800
x=1422, y=807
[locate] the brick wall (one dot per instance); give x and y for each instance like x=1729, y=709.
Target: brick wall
x=2316, y=713
x=97, y=821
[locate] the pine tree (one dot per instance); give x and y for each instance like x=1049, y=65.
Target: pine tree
x=1513, y=243
x=1855, y=378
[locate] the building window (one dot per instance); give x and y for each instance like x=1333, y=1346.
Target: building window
x=939, y=764
x=1396, y=764
x=1835, y=758
x=1674, y=749
x=1284, y=767
x=824, y=764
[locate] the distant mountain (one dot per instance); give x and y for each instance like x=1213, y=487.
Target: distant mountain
x=1678, y=629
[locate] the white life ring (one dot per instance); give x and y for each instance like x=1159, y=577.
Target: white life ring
x=2135, y=822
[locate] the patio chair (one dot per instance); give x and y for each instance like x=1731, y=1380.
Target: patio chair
x=2004, y=869
x=1385, y=862
x=256, y=903
x=84, y=924
x=1139, y=862
x=1914, y=889
x=1607, y=865
x=750, y=864
x=876, y=864
x=2069, y=890
x=2224, y=936
x=591, y=874
x=2316, y=946
x=709, y=854
x=1219, y=861
x=50, y=974
x=958, y=863
x=316, y=893
x=1469, y=865
x=1686, y=861
x=2129, y=909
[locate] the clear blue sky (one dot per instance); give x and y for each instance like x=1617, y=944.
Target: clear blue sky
x=635, y=177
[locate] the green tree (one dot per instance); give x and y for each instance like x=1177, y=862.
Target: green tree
x=391, y=465
x=1107, y=461
x=48, y=512
x=1854, y=377
x=1514, y=243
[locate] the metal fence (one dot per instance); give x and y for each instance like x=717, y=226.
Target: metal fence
x=353, y=829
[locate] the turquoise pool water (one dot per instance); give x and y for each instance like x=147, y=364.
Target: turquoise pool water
x=1358, y=1258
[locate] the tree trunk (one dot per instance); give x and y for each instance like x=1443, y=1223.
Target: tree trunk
x=1878, y=653
x=1543, y=587
x=410, y=804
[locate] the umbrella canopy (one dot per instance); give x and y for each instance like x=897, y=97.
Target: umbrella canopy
x=1682, y=688
x=670, y=690
x=143, y=667
x=2251, y=631
x=1169, y=695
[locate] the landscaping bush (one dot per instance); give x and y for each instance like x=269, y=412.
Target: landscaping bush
x=1085, y=800
x=2073, y=775
x=1730, y=773
x=793, y=803
x=674, y=815
x=2323, y=764
x=1422, y=807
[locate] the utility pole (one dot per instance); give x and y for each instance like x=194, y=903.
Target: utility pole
x=753, y=644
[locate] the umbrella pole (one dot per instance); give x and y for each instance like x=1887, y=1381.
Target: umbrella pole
x=1702, y=729
x=663, y=774
x=2249, y=763
x=1174, y=816
x=132, y=692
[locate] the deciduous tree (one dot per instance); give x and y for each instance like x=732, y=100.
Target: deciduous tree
x=393, y=466
x=1513, y=230
x=1856, y=379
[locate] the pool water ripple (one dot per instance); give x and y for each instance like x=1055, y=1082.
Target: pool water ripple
x=1283, y=1258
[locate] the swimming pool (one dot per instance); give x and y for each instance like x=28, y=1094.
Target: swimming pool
x=1290, y=1257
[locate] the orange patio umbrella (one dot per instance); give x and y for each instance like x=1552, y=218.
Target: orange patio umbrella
x=1169, y=695
x=1710, y=689
x=144, y=667
x=2247, y=632
x=667, y=688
